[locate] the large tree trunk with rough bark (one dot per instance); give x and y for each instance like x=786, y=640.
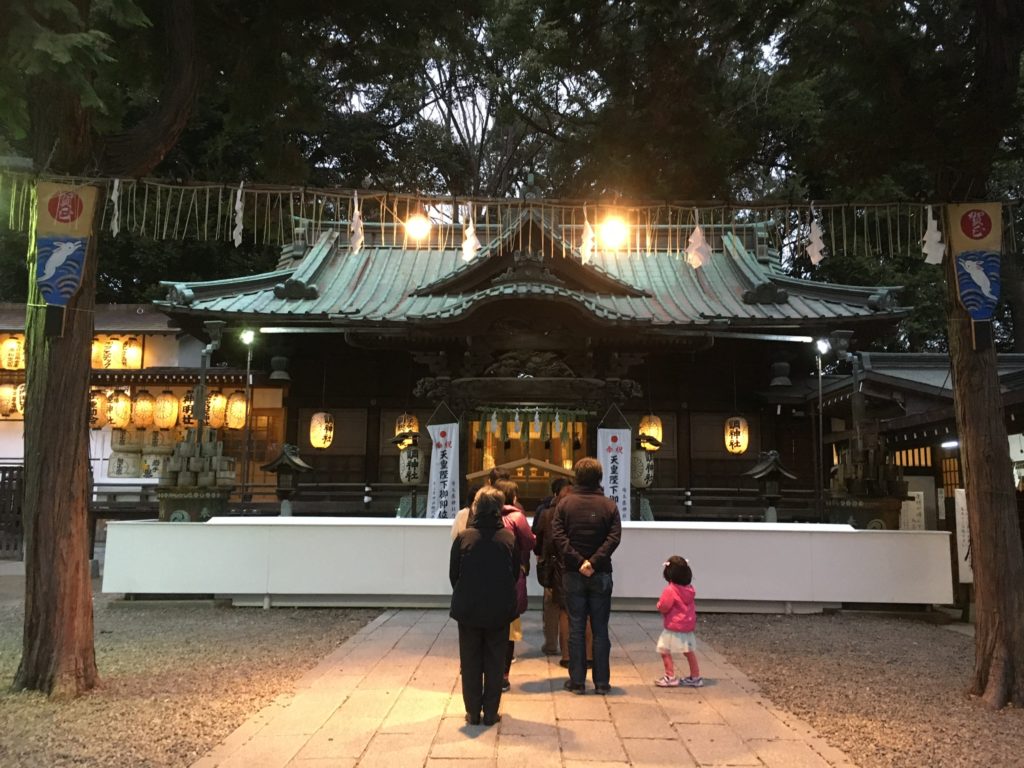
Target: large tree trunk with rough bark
x=58, y=655
x=996, y=555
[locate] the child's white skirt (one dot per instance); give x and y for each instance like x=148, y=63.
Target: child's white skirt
x=676, y=642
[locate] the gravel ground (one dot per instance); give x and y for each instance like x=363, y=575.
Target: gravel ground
x=180, y=676
x=885, y=690
x=177, y=678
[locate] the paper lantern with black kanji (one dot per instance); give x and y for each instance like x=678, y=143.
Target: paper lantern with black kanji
x=98, y=406
x=188, y=408
x=96, y=359
x=6, y=400
x=20, y=397
x=120, y=411
x=321, y=430
x=410, y=469
x=641, y=465
x=131, y=354
x=737, y=435
x=236, y=410
x=407, y=429
x=113, y=353
x=142, y=410
x=216, y=409
x=650, y=432
x=165, y=414
x=12, y=354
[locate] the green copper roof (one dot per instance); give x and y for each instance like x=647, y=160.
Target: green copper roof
x=741, y=285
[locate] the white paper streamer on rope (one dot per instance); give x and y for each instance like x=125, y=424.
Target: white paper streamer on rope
x=558, y=423
x=536, y=420
x=697, y=249
x=236, y=235
x=470, y=242
x=494, y=423
x=356, y=234
x=932, y=246
x=115, y=200
x=587, y=246
x=816, y=247
x=517, y=423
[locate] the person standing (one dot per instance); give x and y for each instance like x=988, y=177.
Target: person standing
x=586, y=529
x=676, y=605
x=483, y=568
x=514, y=520
x=548, y=567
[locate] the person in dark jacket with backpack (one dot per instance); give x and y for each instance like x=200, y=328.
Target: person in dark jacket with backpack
x=483, y=569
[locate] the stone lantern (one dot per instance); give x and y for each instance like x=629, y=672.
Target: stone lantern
x=286, y=466
x=769, y=474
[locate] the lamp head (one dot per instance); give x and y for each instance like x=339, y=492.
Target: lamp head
x=823, y=346
x=247, y=336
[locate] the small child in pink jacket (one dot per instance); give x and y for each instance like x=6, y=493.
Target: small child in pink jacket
x=680, y=614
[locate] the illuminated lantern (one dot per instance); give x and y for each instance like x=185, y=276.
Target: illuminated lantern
x=97, y=354
x=737, y=434
x=409, y=465
x=12, y=354
x=650, y=433
x=188, y=413
x=142, y=410
x=641, y=465
x=216, y=409
x=321, y=430
x=20, y=396
x=113, y=353
x=98, y=406
x=119, y=413
x=236, y=410
x=407, y=429
x=165, y=414
x=6, y=400
x=131, y=354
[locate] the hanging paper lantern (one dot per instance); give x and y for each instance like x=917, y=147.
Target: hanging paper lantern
x=236, y=410
x=165, y=414
x=188, y=406
x=407, y=429
x=641, y=467
x=650, y=433
x=737, y=434
x=216, y=409
x=97, y=353
x=142, y=410
x=409, y=465
x=131, y=354
x=113, y=353
x=6, y=400
x=119, y=413
x=98, y=407
x=321, y=430
x=12, y=354
x=20, y=396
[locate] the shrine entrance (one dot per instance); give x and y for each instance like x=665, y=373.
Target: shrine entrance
x=532, y=476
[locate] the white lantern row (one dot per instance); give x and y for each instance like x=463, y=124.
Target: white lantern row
x=144, y=411
x=115, y=353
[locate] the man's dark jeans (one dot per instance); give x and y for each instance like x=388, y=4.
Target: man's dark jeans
x=589, y=597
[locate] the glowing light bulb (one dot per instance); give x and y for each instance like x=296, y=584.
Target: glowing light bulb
x=417, y=226
x=613, y=233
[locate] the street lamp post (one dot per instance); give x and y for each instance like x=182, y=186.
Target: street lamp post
x=247, y=337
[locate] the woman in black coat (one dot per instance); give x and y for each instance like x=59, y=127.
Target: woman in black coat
x=483, y=570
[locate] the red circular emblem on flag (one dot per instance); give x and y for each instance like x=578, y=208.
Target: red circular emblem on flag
x=65, y=207
x=976, y=224
x=615, y=438
x=443, y=433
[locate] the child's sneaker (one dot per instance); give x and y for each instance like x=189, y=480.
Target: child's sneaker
x=667, y=682
x=692, y=682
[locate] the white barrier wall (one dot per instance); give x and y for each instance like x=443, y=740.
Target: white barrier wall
x=392, y=562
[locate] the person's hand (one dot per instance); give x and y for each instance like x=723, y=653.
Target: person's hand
x=587, y=569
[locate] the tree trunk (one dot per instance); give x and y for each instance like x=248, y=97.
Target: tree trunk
x=996, y=554
x=58, y=655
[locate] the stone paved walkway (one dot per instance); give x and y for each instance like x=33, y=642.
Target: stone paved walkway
x=391, y=696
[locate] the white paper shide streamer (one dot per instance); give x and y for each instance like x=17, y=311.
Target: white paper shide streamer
x=697, y=249
x=470, y=242
x=115, y=200
x=587, y=246
x=932, y=246
x=356, y=235
x=239, y=210
x=816, y=247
